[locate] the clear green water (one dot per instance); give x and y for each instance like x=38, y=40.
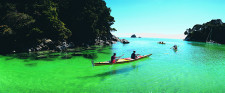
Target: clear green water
x=195, y=67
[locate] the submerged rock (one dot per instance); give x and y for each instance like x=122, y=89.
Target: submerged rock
x=67, y=57
x=77, y=54
x=91, y=56
x=41, y=57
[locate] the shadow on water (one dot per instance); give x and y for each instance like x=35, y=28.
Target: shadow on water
x=208, y=45
x=92, y=54
x=113, y=72
x=197, y=44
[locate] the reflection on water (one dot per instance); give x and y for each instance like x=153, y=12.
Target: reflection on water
x=114, y=71
x=90, y=53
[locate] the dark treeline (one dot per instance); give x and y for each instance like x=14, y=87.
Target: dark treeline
x=25, y=23
x=213, y=31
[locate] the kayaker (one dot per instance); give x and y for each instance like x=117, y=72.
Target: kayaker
x=175, y=47
x=113, y=58
x=133, y=55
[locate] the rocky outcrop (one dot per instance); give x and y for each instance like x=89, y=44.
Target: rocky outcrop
x=114, y=38
x=133, y=36
x=48, y=44
x=124, y=41
x=212, y=31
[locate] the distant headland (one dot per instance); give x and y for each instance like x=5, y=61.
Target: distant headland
x=212, y=31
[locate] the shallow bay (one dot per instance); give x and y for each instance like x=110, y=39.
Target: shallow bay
x=195, y=67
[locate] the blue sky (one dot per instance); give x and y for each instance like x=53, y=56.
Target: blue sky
x=163, y=16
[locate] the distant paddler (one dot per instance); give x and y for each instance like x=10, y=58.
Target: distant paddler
x=175, y=47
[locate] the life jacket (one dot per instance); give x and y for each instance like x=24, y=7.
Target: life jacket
x=114, y=61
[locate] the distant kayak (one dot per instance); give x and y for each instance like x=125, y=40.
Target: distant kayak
x=123, y=60
x=161, y=43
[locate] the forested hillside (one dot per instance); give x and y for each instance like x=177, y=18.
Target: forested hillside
x=24, y=24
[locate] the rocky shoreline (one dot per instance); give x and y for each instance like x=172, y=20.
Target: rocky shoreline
x=49, y=50
x=49, y=45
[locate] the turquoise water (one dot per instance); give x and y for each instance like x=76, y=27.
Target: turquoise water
x=195, y=67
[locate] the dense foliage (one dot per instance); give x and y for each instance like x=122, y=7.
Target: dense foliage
x=25, y=23
x=213, y=31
